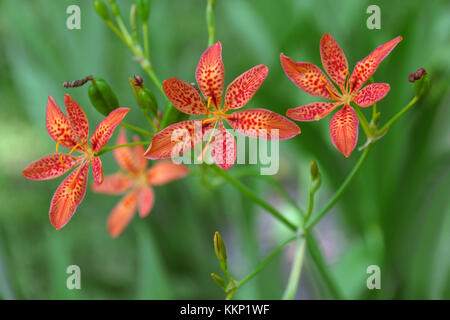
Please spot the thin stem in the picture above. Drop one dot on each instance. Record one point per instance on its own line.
(341, 189)
(310, 204)
(294, 277)
(363, 121)
(261, 266)
(210, 21)
(253, 196)
(106, 149)
(398, 115)
(137, 129)
(322, 267)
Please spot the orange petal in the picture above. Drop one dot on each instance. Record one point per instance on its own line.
(177, 139)
(68, 196)
(116, 183)
(258, 122)
(58, 126)
(165, 171)
(125, 156)
(50, 166)
(312, 111)
(184, 97)
(371, 94)
(97, 170)
(122, 214)
(367, 66)
(145, 201)
(210, 74)
(334, 60)
(139, 151)
(344, 130)
(77, 118)
(223, 148)
(242, 89)
(308, 77)
(106, 128)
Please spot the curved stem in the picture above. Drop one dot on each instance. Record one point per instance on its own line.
(106, 149)
(294, 277)
(340, 191)
(399, 114)
(253, 196)
(210, 21)
(137, 129)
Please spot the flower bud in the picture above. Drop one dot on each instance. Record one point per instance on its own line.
(102, 97)
(422, 82)
(219, 281)
(148, 101)
(315, 176)
(143, 9)
(101, 9)
(219, 248)
(133, 17)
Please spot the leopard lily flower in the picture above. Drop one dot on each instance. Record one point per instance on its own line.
(308, 77)
(72, 132)
(210, 75)
(135, 179)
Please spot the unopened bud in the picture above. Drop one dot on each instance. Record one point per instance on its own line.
(133, 17)
(315, 175)
(143, 9)
(219, 281)
(101, 9)
(102, 96)
(219, 248)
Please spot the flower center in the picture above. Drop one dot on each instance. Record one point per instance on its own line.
(84, 148)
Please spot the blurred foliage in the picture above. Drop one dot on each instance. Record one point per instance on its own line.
(396, 214)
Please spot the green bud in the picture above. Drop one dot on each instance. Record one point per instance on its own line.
(148, 101)
(102, 97)
(315, 176)
(143, 9)
(101, 9)
(133, 17)
(219, 281)
(219, 248)
(421, 85)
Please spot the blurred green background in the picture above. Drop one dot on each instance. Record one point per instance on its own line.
(396, 213)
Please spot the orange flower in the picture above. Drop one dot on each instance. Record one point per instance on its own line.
(137, 180)
(309, 78)
(72, 132)
(210, 75)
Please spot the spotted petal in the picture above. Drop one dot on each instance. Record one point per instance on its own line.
(261, 123)
(223, 148)
(367, 66)
(97, 170)
(138, 152)
(184, 97)
(210, 74)
(242, 89)
(106, 128)
(68, 196)
(178, 138)
(77, 118)
(312, 111)
(116, 183)
(371, 94)
(308, 77)
(51, 166)
(164, 172)
(334, 60)
(58, 126)
(146, 198)
(122, 214)
(125, 156)
(344, 130)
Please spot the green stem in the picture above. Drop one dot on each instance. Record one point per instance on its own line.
(253, 196)
(310, 205)
(322, 267)
(261, 266)
(294, 277)
(210, 21)
(106, 149)
(398, 115)
(145, 36)
(341, 189)
(363, 121)
(137, 129)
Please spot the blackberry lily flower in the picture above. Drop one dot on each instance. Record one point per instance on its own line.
(210, 75)
(72, 132)
(308, 77)
(135, 178)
